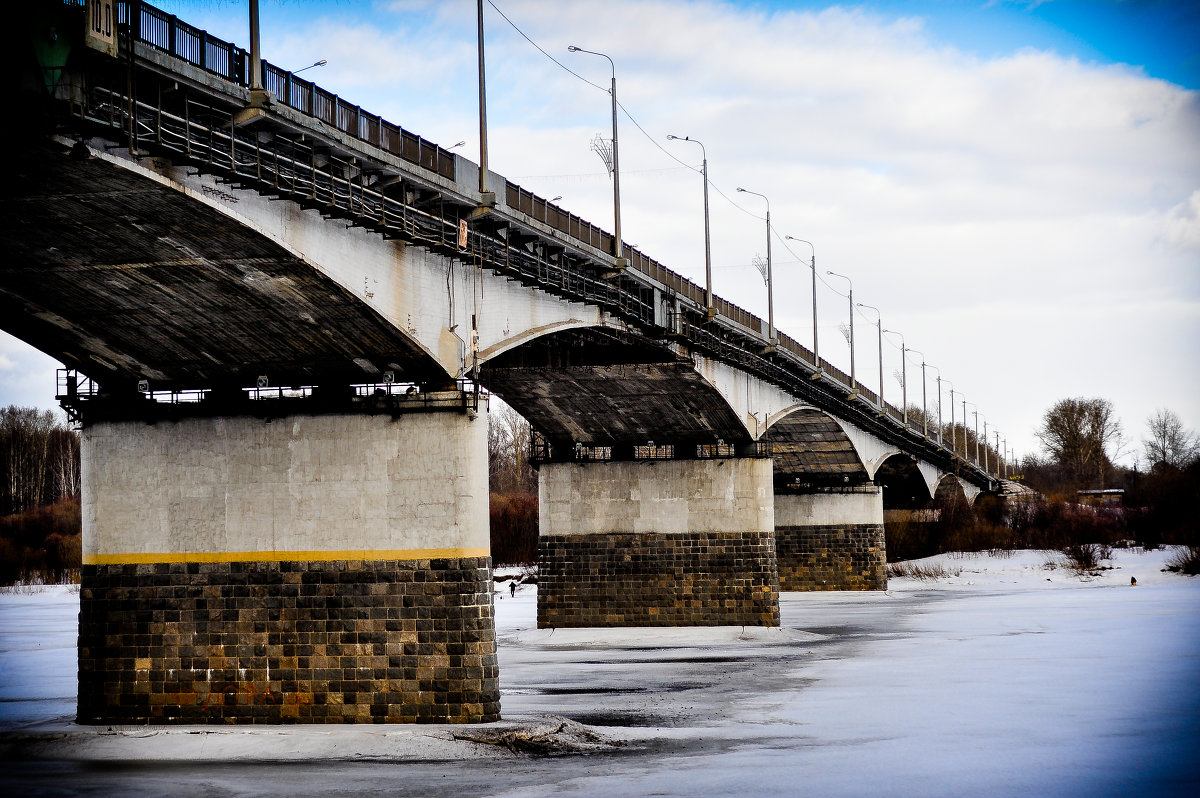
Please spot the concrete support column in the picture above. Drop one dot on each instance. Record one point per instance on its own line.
(305, 569)
(831, 539)
(657, 543)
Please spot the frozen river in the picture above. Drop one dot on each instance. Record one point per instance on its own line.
(1005, 678)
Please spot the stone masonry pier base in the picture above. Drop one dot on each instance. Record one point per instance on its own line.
(305, 569)
(831, 539)
(657, 543)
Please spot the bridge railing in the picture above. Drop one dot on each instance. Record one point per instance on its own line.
(172, 35)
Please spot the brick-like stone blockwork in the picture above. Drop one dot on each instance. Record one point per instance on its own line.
(288, 642)
(627, 579)
(831, 557)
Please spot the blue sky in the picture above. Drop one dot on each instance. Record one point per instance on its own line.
(1162, 37)
(1015, 185)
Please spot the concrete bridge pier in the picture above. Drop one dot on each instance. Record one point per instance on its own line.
(328, 568)
(831, 538)
(657, 543)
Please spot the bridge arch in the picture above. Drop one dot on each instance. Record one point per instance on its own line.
(511, 340)
(812, 448)
(949, 489)
(905, 483)
(165, 281)
(607, 386)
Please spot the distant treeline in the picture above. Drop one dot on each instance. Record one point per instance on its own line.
(1082, 438)
(39, 497)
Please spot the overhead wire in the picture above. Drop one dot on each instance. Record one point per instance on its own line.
(628, 115)
(543, 52)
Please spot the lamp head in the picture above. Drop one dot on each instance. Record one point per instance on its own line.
(741, 189)
(672, 138)
(322, 62)
(572, 49)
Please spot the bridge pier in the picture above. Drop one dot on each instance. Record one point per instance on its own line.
(831, 539)
(657, 543)
(299, 569)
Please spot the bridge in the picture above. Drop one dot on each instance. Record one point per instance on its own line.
(283, 317)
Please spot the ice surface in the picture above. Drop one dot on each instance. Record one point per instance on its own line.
(1007, 677)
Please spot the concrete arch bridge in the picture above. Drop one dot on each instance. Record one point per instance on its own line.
(279, 312)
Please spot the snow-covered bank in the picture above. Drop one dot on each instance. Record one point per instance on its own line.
(1004, 678)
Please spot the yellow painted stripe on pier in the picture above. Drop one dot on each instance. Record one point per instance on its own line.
(141, 558)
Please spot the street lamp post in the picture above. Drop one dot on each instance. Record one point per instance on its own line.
(985, 449)
(965, 450)
(903, 373)
(770, 284)
(487, 198)
(850, 295)
(255, 50)
(879, 324)
(622, 262)
(953, 433)
(924, 408)
(975, 413)
(813, 266)
(710, 310)
(939, 391)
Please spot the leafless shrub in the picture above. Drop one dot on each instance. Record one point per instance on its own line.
(1185, 560)
(1085, 558)
(923, 573)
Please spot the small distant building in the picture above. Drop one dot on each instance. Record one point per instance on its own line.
(1111, 497)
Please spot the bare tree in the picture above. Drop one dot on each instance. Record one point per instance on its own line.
(1083, 436)
(1168, 442)
(508, 451)
(39, 459)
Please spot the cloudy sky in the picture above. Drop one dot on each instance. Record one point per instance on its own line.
(1015, 185)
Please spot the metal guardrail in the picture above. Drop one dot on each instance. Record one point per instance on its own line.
(77, 391)
(542, 450)
(297, 174)
(175, 37)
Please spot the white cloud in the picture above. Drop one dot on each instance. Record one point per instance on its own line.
(1182, 223)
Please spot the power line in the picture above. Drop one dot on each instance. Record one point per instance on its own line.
(628, 115)
(543, 52)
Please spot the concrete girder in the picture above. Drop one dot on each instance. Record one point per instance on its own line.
(125, 274)
(933, 475)
(809, 446)
(517, 339)
(602, 386)
(905, 483)
(438, 301)
(948, 487)
(872, 451)
(756, 403)
(809, 441)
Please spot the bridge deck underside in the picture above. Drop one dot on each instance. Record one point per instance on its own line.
(125, 278)
(810, 447)
(903, 486)
(611, 404)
